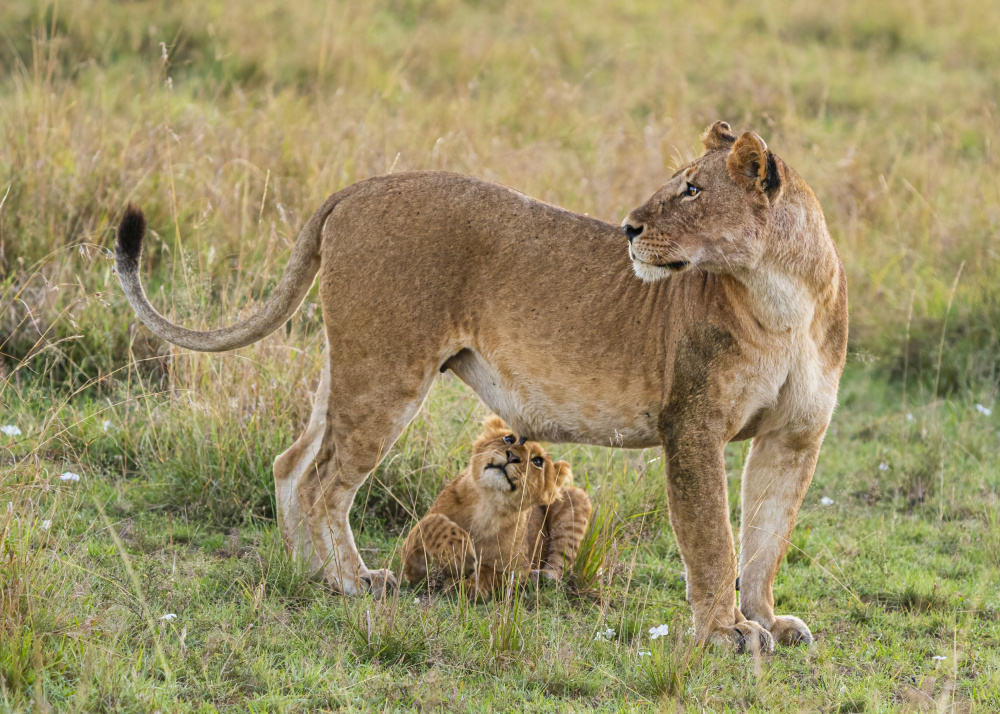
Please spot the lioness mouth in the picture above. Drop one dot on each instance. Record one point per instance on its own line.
(675, 265)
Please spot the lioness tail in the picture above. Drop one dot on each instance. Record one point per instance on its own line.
(303, 264)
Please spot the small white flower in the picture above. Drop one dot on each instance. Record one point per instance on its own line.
(909, 417)
(10, 430)
(416, 601)
(608, 634)
(939, 658)
(46, 524)
(659, 631)
(645, 654)
(883, 466)
(826, 501)
(169, 617)
(69, 476)
(107, 424)
(985, 411)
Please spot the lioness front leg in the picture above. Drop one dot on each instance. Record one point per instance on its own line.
(775, 480)
(699, 514)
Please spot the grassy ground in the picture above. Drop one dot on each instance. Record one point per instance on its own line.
(230, 124)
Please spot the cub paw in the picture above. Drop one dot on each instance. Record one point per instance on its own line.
(476, 590)
(540, 577)
(379, 582)
(788, 630)
(746, 636)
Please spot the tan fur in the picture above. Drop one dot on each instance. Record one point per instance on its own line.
(480, 528)
(554, 532)
(736, 330)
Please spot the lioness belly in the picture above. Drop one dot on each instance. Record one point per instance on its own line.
(542, 408)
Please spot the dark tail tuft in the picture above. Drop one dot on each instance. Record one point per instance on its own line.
(128, 248)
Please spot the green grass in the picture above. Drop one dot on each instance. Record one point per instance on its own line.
(261, 110)
(888, 576)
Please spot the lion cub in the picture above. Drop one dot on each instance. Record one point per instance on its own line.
(511, 512)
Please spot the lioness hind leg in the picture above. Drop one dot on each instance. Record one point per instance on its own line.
(777, 475)
(437, 542)
(289, 469)
(361, 426)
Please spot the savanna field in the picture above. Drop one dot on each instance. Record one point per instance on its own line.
(141, 568)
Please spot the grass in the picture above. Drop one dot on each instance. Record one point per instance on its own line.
(231, 122)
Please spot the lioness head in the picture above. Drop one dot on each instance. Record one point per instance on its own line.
(514, 470)
(713, 213)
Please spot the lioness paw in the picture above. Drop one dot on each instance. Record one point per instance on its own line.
(751, 637)
(379, 582)
(789, 630)
(746, 636)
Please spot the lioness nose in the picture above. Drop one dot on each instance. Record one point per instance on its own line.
(511, 459)
(632, 231)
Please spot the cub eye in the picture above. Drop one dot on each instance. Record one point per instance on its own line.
(538, 461)
(510, 439)
(692, 190)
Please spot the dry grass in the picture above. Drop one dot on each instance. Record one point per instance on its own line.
(230, 123)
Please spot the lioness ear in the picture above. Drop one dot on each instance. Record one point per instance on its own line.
(718, 136)
(492, 424)
(752, 166)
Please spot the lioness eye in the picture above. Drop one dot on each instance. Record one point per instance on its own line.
(510, 439)
(538, 461)
(692, 190)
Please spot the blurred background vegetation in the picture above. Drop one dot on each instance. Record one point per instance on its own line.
(888, 110)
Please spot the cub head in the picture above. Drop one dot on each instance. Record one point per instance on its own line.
(516, 472)
(713, 213)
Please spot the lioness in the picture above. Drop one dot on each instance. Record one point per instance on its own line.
(512, 509)
(736, 329)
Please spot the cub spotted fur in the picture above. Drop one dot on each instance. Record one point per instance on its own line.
(509, 512)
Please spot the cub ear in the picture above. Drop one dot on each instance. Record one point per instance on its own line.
(718, 136)
(493, 424)
(564, 475)
(752, 166)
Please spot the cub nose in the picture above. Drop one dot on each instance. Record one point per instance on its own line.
(511, 459)
(632, 231)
